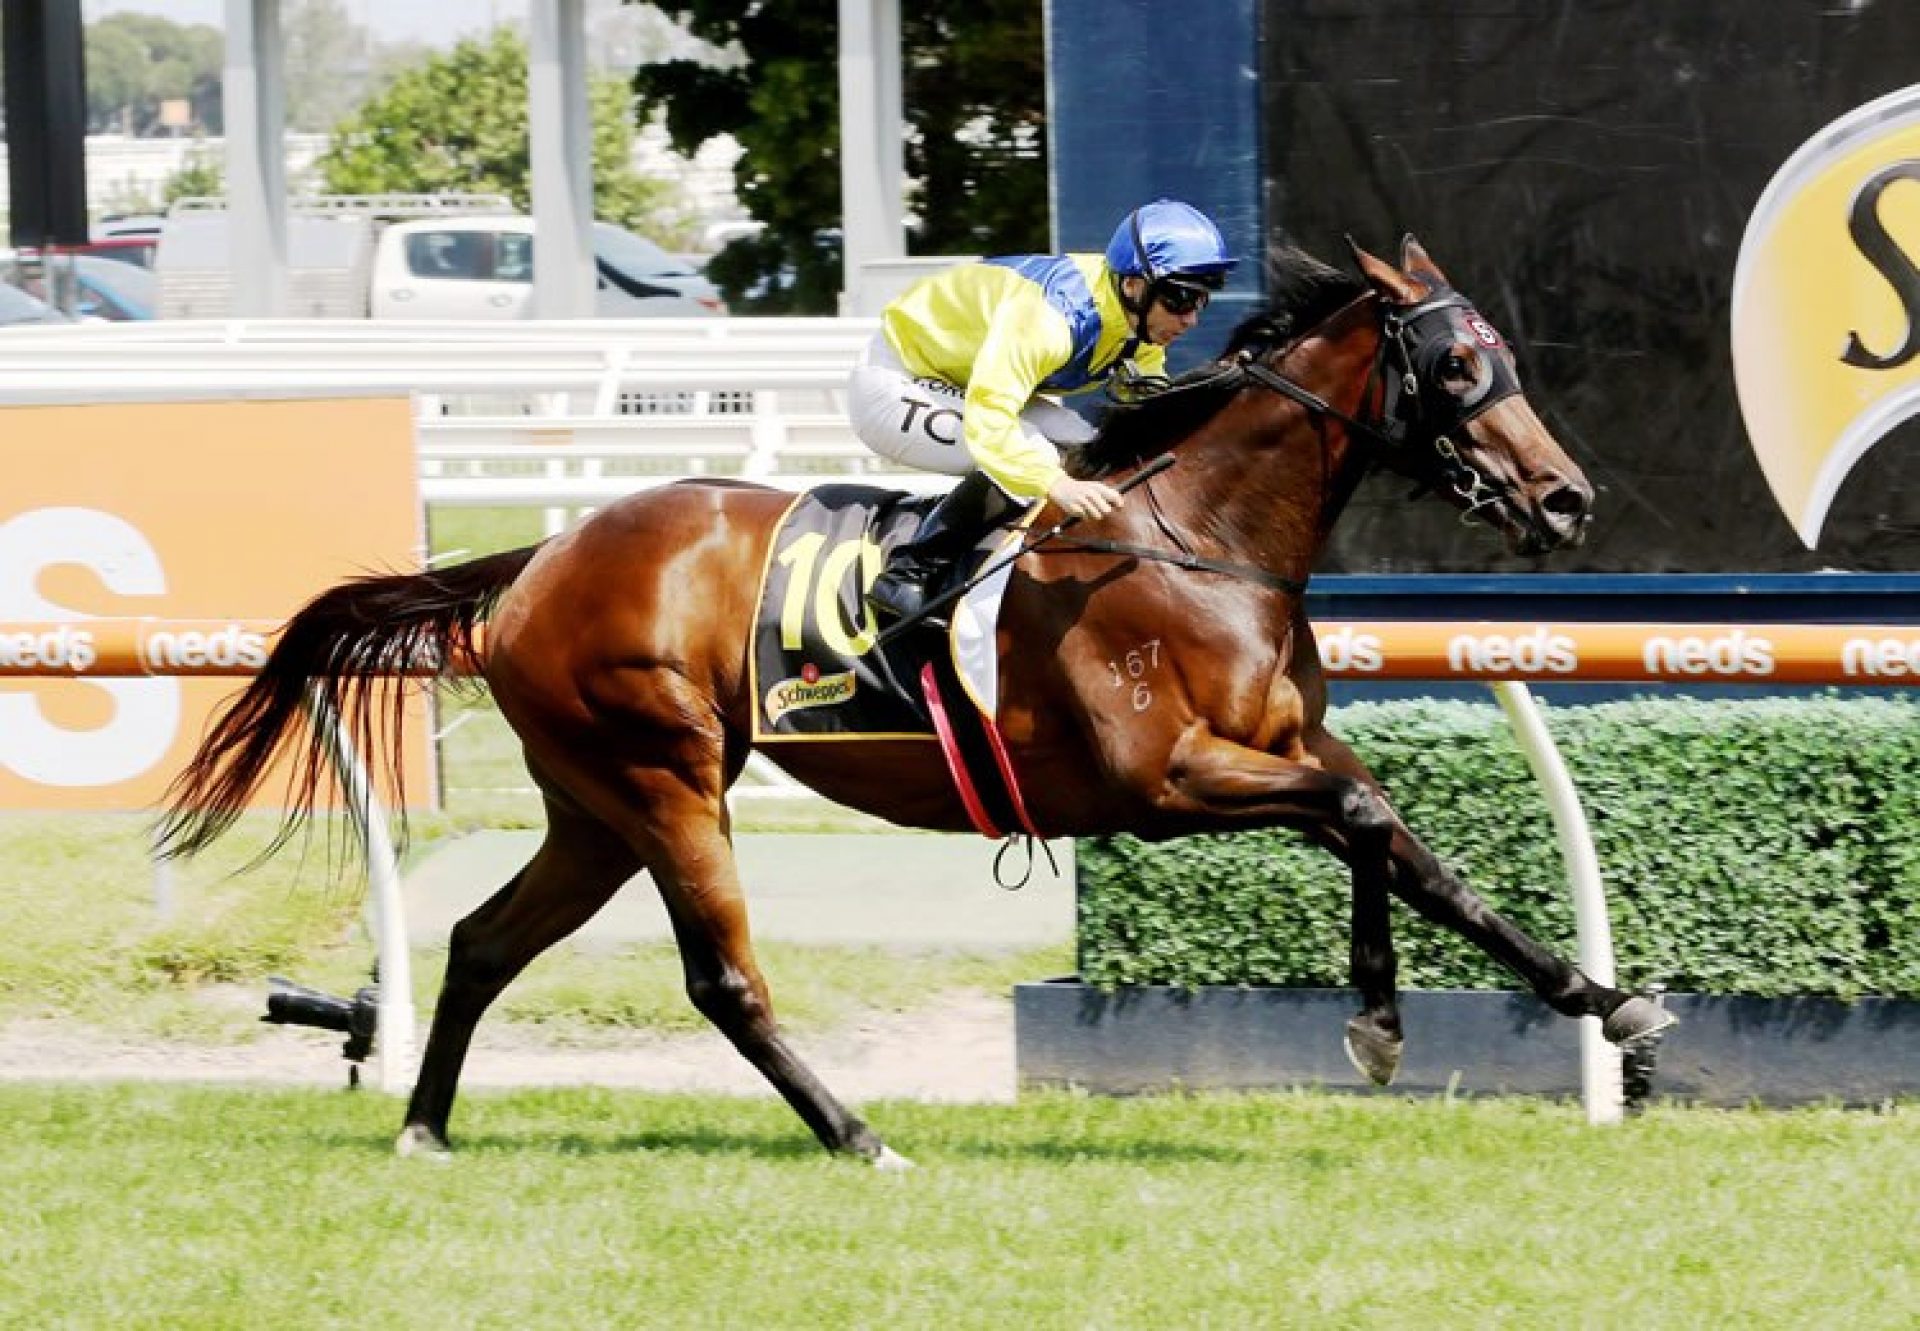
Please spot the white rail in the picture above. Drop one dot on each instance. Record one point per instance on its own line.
(1602, 1073)
(556, 413)
(784, 333)
(596, 367)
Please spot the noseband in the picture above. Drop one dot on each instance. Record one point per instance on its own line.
(1418, 413)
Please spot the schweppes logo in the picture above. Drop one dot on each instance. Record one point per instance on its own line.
(811, 689)
(1826, 305)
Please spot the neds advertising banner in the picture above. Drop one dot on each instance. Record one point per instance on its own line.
(232, 514)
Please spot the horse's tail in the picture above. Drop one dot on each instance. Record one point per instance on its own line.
(343, 650)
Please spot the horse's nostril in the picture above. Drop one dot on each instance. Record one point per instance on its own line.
(1566, 501)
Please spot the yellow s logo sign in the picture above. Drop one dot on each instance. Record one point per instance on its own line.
(1826, 305)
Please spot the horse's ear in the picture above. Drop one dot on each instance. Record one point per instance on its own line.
(1392, 285)
(1416, 261)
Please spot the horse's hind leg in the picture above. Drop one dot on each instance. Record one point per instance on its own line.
(693, 865)
(579, 865)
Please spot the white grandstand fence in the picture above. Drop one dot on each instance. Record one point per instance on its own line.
(783, 332)
(562, 415)
(580, 368)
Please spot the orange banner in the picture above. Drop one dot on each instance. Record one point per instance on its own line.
(1868, 654)
(1863, 654)
(178, 512)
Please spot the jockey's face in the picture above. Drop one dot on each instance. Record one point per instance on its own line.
(1159, 325)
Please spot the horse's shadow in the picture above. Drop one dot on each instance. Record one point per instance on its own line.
(719, 1143)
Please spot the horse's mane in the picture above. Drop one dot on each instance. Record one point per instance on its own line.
(1303, 292)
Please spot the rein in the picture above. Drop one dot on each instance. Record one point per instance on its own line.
(1191, 562)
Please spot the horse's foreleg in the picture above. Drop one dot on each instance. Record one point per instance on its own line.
(578, 867)
(1339, 807)
(1425, 884)
(1420, 880)
(1375, 1039)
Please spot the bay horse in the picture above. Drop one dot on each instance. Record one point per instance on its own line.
(618, 651)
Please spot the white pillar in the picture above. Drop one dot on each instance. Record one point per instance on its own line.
(560, 132)
(872, 162)
(394, 1025)
(1601, 1078)
(253, 102)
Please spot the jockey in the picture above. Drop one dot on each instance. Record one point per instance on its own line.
(959, 379)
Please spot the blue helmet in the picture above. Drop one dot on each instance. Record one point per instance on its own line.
(1165, 239)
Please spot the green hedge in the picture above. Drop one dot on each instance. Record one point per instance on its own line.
(1767, 846)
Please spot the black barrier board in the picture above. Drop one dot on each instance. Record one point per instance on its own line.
(1588, 172)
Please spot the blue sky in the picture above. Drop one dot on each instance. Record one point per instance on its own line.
(436, 22)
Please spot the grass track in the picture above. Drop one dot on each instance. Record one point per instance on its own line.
(148, 1207)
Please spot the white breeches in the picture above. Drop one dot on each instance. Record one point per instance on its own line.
(916, 422)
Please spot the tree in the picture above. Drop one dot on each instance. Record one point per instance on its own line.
(116, 77)
(201, 175)
(975, 81)
(458, 123)
(975, 100)
(328, 65)
(137, 61)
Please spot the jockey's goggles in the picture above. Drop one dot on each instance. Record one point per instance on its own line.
(1181, 293)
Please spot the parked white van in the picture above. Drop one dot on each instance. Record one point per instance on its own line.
(415, 257)
(482, 268)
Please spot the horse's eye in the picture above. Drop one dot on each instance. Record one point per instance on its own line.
(1455, 372)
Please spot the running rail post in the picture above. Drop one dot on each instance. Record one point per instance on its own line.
(394, 1034)
(1600, 1077)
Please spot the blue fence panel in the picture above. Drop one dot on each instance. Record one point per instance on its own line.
(1159, 100)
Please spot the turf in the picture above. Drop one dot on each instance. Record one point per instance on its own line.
(147, 1206)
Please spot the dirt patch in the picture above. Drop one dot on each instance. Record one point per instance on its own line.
(959, 1050)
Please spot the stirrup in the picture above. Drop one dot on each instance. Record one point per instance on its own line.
(897, 598)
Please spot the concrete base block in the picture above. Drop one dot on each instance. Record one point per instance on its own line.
(1725, 1051)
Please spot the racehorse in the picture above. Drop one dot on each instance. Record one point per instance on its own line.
(618, 652)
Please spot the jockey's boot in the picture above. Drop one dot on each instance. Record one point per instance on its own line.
(971, 509)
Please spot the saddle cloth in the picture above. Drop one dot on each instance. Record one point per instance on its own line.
(819, 674)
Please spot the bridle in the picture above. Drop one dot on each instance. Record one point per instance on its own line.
(1419, 414)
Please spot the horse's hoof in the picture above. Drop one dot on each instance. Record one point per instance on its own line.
(419, 1142)
(890, 1161)
(1373, 1052)
(1636, 1019)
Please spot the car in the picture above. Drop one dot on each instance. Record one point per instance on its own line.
(115, 290)
(647, 273)
(126, 239)
(132, 251)
(481, 267)
(102, 288)
(18, 309)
